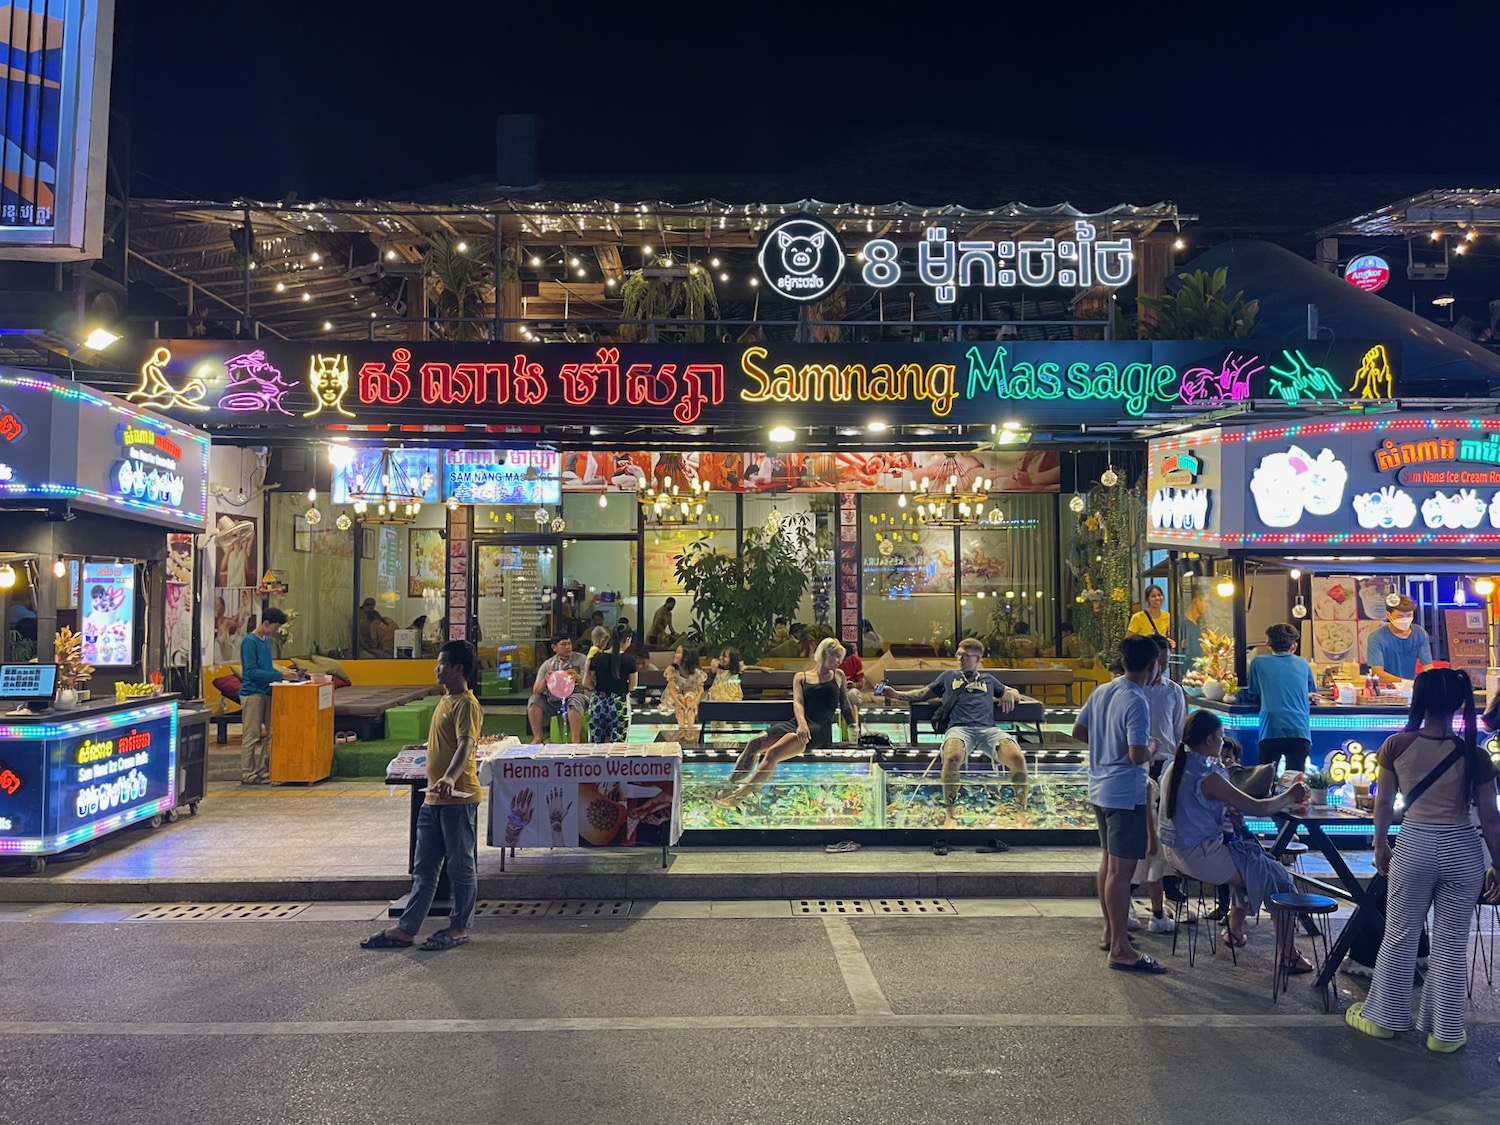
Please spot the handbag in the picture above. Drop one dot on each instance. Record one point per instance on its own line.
(944, 714)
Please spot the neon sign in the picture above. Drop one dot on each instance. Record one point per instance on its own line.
(1299, 376)
(328, 377)
(801, 258)
(1184, 509)
(157, 390)
(253, 385)
(1231, 383)
(10, 781)
(946, 266)
(827, 382)
(1375, 379)
(11, 426)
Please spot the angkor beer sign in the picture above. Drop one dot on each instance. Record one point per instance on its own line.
(801, 258)
(287, 383)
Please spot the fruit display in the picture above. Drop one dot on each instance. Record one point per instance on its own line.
(135, 691)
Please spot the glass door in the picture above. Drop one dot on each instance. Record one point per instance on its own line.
(517, 608)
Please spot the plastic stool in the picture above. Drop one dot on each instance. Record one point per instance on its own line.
(405, 723)
(558, 731)
(1286, 910)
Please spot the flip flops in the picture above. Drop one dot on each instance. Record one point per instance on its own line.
(940, 847)
(443, 940)
(842, 846)
(383, 940)
(993, 846)
(1142, 964)
(344, 736)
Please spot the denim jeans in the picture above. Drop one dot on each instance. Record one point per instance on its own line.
(444, 832)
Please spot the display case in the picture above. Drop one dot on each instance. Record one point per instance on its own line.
(1053, 798)
(818, 794)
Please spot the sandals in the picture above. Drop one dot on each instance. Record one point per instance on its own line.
(1142, 964)
(842, 846)
(1234, 942)
(442, 940)
(1296, 968)
(383, 940)
(993, 846)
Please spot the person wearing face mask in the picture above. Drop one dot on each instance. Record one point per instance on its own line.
(1399, 649)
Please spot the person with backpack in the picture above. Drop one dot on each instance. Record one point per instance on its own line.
(1437, 863)
(968, 705)
(610, 678)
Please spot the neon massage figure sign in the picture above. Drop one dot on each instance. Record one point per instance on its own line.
(398, 384)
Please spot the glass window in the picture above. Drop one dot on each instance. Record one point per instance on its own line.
(663, 547)
(317, 563)
(583, 514)
(1006, 578)
(816, 606)
(907, 574)
(598, 579)
(404, 568)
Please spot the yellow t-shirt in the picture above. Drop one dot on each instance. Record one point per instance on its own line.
(456, 716)
(1140, 624)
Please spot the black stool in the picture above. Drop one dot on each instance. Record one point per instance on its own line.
(1287, 910)
(1292, 856)
(1480, 957)
(1184, 917)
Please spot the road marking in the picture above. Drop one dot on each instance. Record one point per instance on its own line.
(869, 998)
(613, 1023)
(1483, 1106)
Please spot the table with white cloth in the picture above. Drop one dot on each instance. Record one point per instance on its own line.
(570, 795)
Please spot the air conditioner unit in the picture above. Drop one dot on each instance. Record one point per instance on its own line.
(1427, 268)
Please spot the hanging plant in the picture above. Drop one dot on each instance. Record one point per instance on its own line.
(676, 298)
(1107, 543)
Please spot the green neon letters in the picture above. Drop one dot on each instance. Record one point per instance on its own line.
(1137, 385)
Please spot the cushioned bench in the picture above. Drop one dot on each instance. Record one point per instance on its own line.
(362, 709)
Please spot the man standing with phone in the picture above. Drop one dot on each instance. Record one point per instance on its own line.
(258, 672)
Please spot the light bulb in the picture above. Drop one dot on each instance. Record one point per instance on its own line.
(7, 576)
(59, 568)
(535, 261)
(307, 296)
(1484, 587)
(1109, 478)
(1225, 588)
(603, 500)
(1296, 574)
(462, 247)
(312, 495)
(1077, 504)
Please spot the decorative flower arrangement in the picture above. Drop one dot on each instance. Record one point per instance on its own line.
(67, 650)
(1217, 661)
(1231, 684)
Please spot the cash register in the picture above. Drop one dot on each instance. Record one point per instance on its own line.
(27, 688)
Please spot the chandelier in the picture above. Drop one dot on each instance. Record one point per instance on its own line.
(669, 506)
(950, 505)
(385, 493)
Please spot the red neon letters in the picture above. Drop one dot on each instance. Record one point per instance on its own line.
(525, 383)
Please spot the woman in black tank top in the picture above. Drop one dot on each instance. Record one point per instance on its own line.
(819, 696)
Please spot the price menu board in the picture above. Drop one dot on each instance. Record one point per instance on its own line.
(1468, 641)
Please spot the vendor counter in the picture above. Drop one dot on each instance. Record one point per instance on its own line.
(68, 777)
(1368, 724)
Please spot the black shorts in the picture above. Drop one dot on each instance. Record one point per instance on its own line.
(821, 733)
(1295, 750)
(1122, 832)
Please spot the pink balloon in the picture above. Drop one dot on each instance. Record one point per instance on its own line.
(560, 684)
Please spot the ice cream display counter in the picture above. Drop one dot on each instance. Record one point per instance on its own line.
(1333, 728)
(68, 777)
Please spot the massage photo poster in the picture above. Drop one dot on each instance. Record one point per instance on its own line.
(585, 803)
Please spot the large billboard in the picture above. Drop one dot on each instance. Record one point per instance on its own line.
(54, 116)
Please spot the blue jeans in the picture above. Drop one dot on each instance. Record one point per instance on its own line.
(444, 832)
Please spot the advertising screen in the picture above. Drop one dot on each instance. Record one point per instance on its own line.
(499, 476)
(108, 605)
(418, 466)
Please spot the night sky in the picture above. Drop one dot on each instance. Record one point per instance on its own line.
(350, 99)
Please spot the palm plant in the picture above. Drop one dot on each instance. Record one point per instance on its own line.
(1199, 310)
(459, 282)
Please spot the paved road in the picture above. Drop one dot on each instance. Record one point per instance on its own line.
(684, 1012)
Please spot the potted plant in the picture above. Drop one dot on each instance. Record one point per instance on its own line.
(1216, 663)
(1231, 685)
(67, 650)
(1317, 786)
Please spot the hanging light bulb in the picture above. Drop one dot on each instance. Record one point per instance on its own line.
(1109, 478)
(59, 568)
(1484, 587)
(1077, 504)
(343, 523)
(312, 495)
(603, 500)
(1225, 588)
(453, 503)
(7, 576)
(313, 517)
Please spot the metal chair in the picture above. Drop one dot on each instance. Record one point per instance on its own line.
(1287, 910)
(1482, 956)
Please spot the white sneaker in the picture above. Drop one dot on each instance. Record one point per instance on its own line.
(1162, 925)
(1354, 968)
(1133, 923)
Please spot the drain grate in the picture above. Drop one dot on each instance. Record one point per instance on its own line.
(487, 909)
(252, 911)
(911, 906)
(830, 906)
(591, 908)
(177, 912)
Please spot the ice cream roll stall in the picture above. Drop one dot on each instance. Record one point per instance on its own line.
(1373, 535)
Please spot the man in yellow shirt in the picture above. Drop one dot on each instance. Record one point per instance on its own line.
(448, 824)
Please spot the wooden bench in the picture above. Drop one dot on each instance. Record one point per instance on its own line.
(1027, 712)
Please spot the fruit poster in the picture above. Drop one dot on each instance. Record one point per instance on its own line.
(596, 799)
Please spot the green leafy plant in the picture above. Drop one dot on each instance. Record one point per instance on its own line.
(1199, 310)
(1107, 541)
(677, 298)
(738, 597)
(458, 282)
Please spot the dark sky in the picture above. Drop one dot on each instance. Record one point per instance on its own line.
(343, 99)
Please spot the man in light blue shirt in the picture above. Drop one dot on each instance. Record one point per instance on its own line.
(1399, 649)
(1116, 723)
(1284, 684)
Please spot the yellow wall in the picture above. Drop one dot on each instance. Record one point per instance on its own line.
(362, 673)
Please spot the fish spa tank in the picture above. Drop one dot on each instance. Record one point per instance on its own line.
(895, 789)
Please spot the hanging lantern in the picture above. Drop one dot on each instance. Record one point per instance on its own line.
(343, 523)
(1077, 505)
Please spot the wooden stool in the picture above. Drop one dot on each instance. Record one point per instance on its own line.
(1286, 910)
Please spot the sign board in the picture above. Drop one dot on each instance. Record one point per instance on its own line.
(108, 601)
(473, 386)
(498, 476)
(63, 442)
(65, 783)
(1368, 272)
(53, 130)
(1395, 481)
(364, 472)
(1468, 641)
(584, 797)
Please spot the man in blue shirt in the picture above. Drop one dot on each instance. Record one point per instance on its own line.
(971, 725)
(257, 674)
(1399, 649)
(1284, 684)
(1116, 723)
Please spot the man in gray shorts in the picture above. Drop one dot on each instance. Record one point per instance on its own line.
(543, 704)
(1116, 723)
(971, 726)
